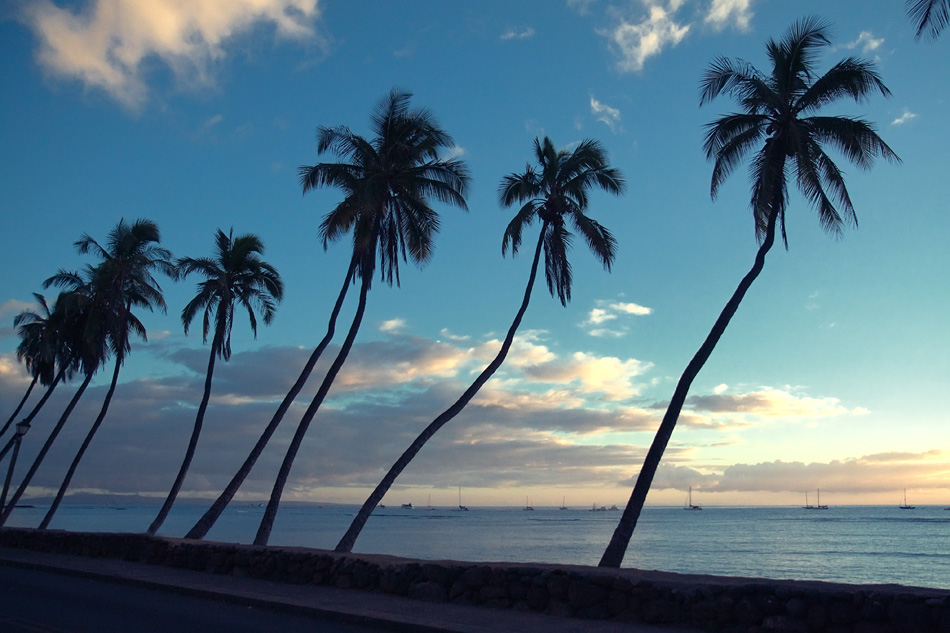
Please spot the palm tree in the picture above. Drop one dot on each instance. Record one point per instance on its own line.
(77, 349)
(932, 15)
(121, 281)
(779, 108)
(36, 350)
(236, 275)
(387, 182)
(555, 193)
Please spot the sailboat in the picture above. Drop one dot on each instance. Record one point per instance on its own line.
(808, 506)
(429, 503)
(527, 504)
(689, 501)
(564, 507)
(903, 505)
(461, 507)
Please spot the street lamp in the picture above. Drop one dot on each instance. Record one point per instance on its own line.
(17, 438)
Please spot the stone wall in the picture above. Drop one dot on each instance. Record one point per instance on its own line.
(708, 603)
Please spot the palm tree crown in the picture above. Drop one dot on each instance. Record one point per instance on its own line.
(235, 275)
(39, 347)
(556, 190)
(929, 15)
(386, 183)
(780, 108)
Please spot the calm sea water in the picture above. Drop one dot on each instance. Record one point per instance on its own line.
(855, 544)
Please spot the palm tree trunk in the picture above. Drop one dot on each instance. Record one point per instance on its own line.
(207, 521)
(617, 547)
(193, 442)
(46, 446)
(270, 513)
(349, 539)
(85, 444)
(39, 405)
(23, 400)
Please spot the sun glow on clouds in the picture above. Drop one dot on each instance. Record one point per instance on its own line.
(107, 44)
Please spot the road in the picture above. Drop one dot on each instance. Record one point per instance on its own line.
(33, 601)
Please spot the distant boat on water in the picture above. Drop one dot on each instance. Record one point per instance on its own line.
(689, 501)
(594, 508)
(406, 506)
(527, 505)
(429, 503)
(808, 506)
(461, 507)
(903, 505)
(564, 507)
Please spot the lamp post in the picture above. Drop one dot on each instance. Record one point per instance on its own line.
(17, 438)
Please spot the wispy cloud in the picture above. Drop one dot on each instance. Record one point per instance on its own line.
(635, 42)
(866, 42)
(605, 311)
(725, 13)
(605, 114)
(106, 44)
(514, 34)
(905, 117)
(581, 6)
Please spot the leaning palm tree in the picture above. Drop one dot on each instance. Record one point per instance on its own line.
(78, 349)
(122, 280)
(391, 176)
(36, 350)
(929, 15)
(780, 109)
(556, 193)
(236, 275)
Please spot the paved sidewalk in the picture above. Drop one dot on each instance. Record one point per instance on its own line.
(345, 605)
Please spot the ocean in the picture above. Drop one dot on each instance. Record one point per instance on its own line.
(852, 544)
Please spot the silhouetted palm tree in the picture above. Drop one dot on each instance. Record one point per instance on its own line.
(78, 349)
(36, 350)
(929, 15)
(121, 281)
(387, 182)
(556, 194)
(780, 109)
(235, 276)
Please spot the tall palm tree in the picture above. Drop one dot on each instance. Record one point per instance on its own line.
(780, 109)
(929, 15)
(78, 348)
(556, 193)
(122, 280)
(387, 182)
(236, 275)
(36, 350)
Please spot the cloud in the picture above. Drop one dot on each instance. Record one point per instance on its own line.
(606, 311)
(455, 151)
(581, 6)
(392, 325)
(767, 402)
(736, 13)
(637, 42)
(15, 306)
(605, 114)
(608, 375)
(866, 42)
(904, 118)
(109, 44)
(512, 34)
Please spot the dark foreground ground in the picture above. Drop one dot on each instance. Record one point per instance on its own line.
(58, 593)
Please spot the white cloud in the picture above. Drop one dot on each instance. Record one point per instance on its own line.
(612, 377)
(456, 151)
(392, 325)
(720, 389)
(512, 34)
(906, 116)
(581, 6)
(211, 122)
(109, 43)
(866, 42)
(638, 42)
(15, 306)
(723, 13)
(605, 311)
(605, 114)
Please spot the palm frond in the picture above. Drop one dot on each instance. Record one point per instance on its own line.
(929, 15)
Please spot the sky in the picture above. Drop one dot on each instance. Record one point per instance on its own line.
(197, 115)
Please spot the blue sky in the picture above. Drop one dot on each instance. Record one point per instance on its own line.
(197, 115)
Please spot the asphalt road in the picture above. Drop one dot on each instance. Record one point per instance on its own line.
(34, 601)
